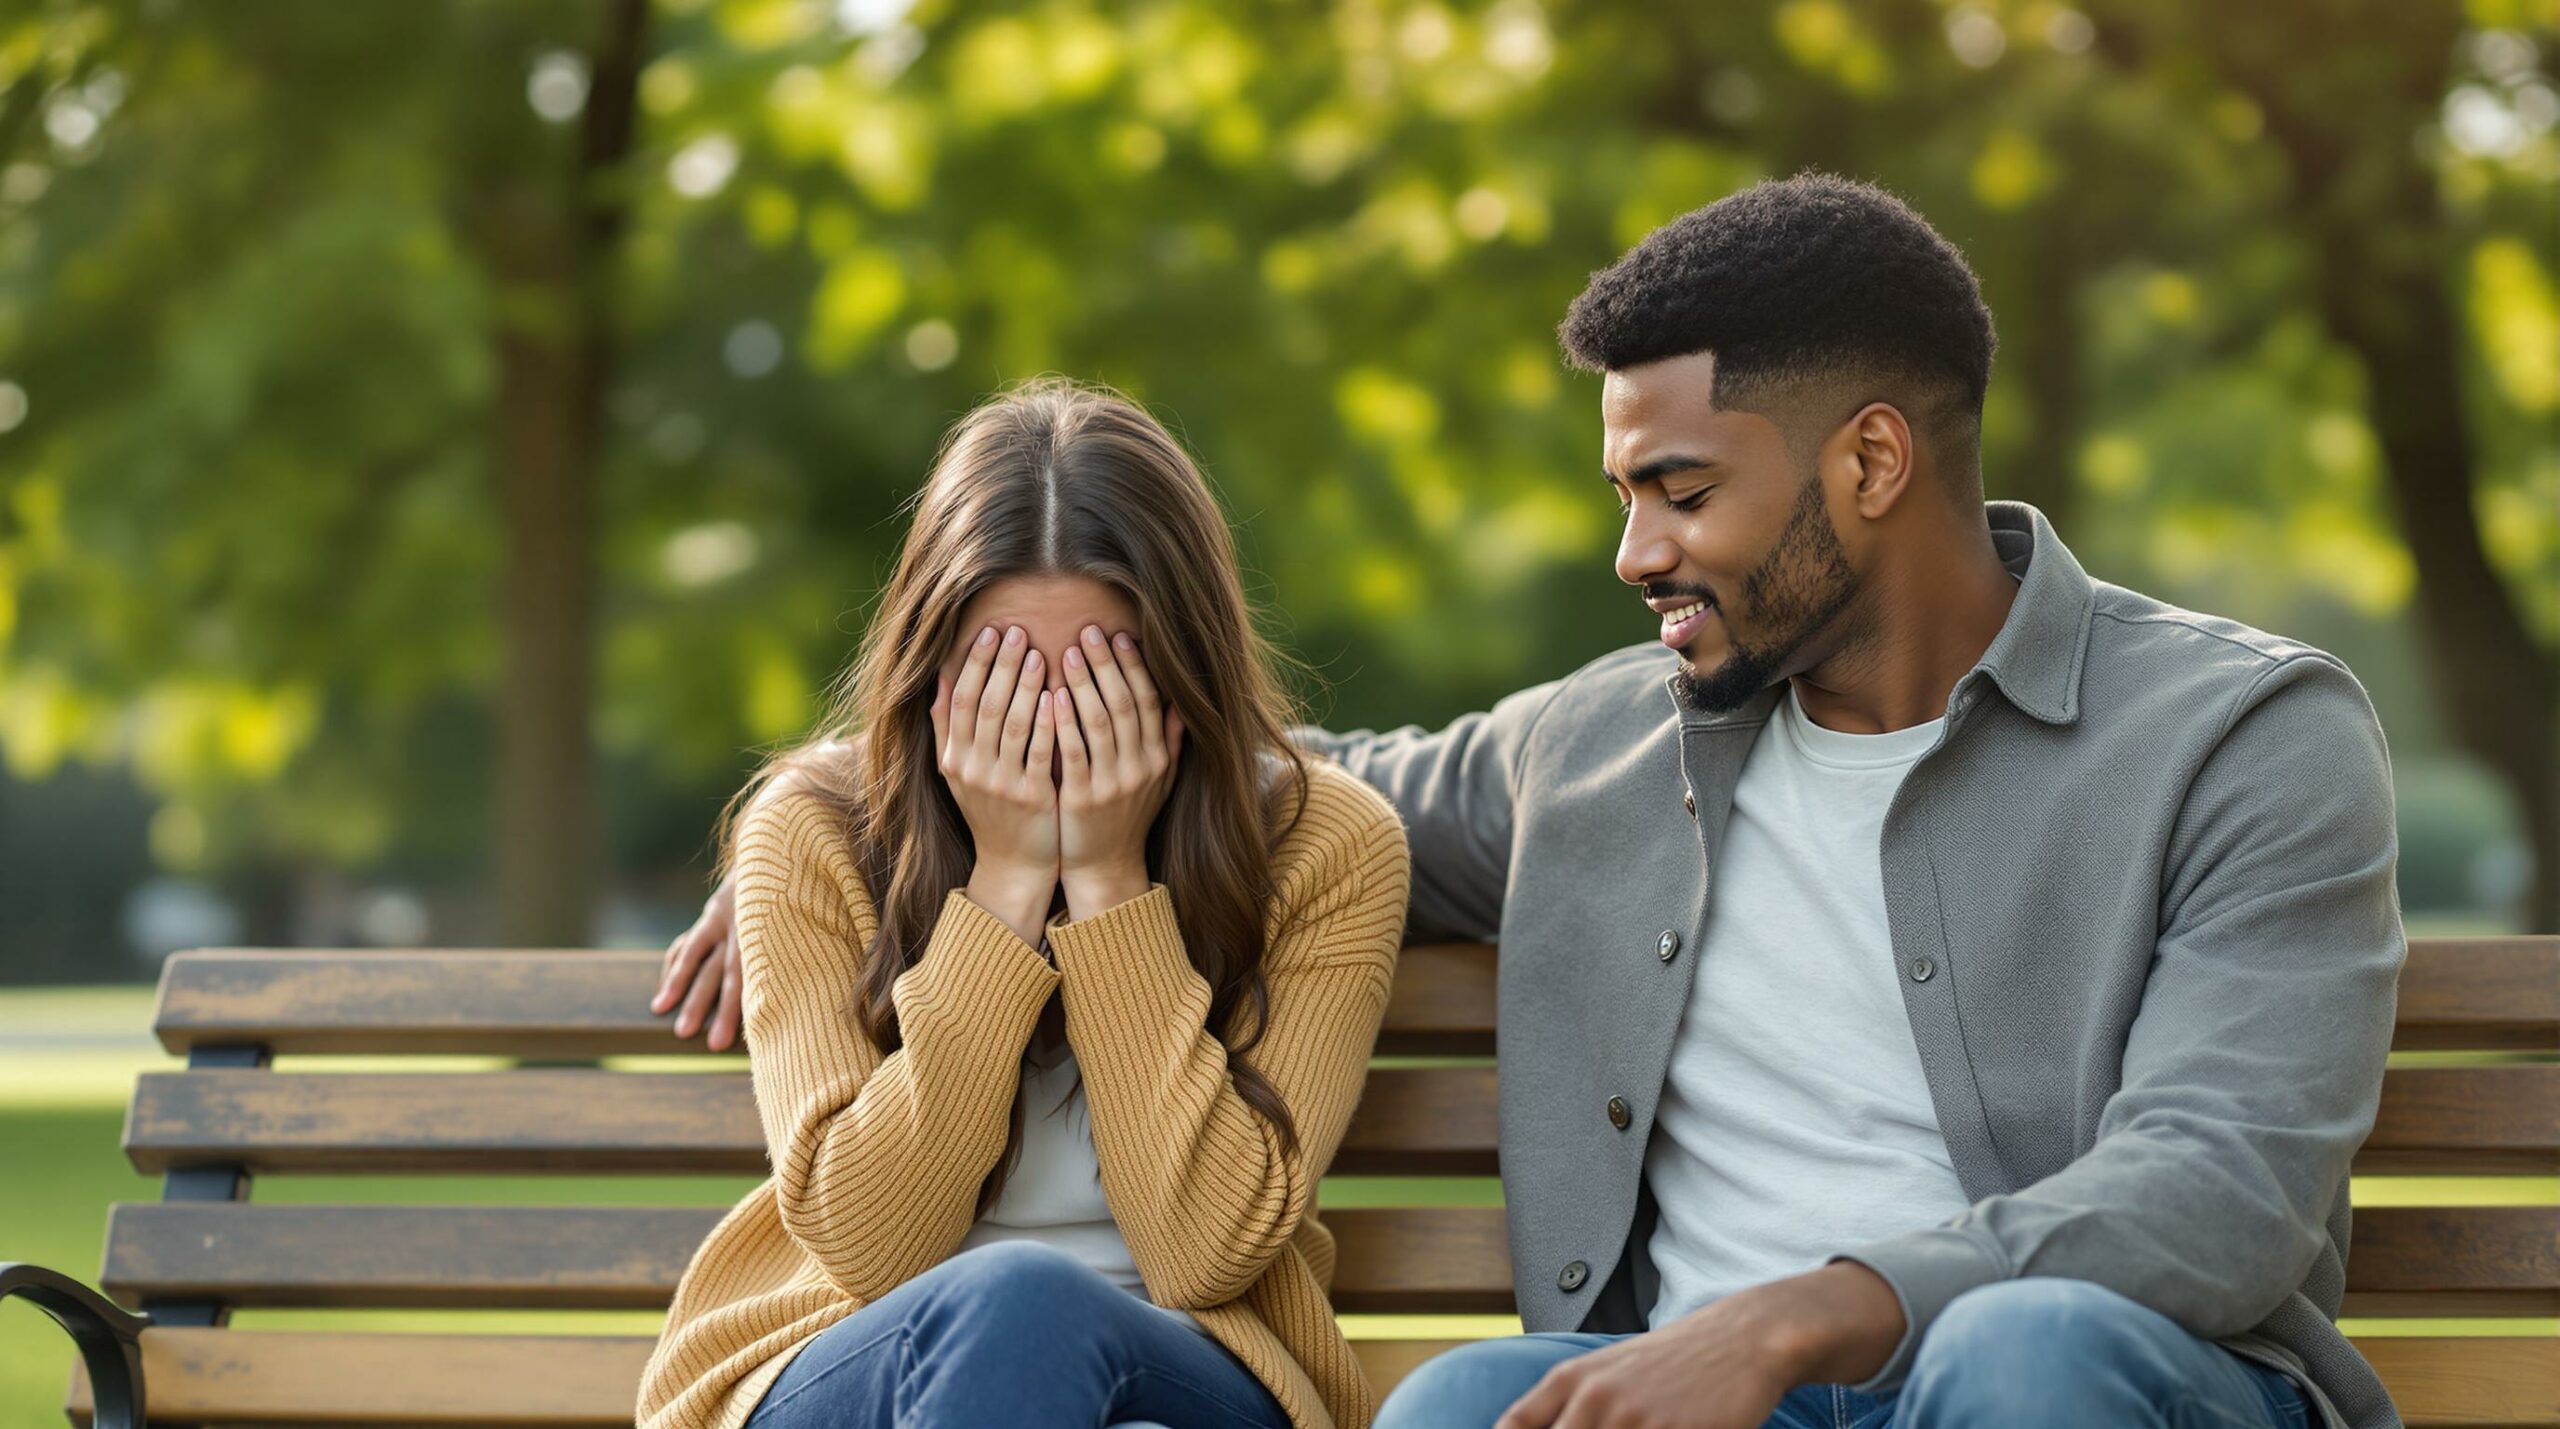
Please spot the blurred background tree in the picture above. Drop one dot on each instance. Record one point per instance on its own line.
(436, 441)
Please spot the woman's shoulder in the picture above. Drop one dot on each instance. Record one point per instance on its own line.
(788, 816)
(1345, 826)
(789, 834)
(806, 802)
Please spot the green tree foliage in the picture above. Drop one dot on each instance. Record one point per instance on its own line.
(322, 325)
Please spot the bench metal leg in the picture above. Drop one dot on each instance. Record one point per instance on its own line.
(109, 1338)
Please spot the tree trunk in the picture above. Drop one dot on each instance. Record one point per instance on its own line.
(2366, 209)
(2498, 689)
(2053, 372)
(551, 247)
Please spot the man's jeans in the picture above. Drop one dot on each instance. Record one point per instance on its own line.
(2038, 1351)
(1010, 1334)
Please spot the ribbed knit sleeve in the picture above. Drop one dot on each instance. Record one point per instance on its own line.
(877, 1160)
(1203, 1192)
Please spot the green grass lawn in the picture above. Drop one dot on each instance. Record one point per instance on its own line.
(67, 1063)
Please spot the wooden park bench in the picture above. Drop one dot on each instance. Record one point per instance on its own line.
(208, 1248)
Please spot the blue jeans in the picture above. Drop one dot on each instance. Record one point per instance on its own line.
(1011, 1334)
(2039, 1351)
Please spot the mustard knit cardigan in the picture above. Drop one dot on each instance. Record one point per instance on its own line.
(877, 1160)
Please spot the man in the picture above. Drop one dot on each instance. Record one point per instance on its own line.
(1937, 988)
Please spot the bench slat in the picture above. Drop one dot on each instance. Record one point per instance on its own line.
(2475, 1260)
(2464, 1121)
(427, 1257)
(587, 1382)
(2456, 993)
(491, 1123)
(278, 1377)
(2487, 1381)
(625, 1257)
(562, 1004)
(520, 1003)
(2480, 993)
(1442, 1001)
(1411, 1121)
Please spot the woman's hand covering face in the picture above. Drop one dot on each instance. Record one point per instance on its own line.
(1118, 748)
(993, 731)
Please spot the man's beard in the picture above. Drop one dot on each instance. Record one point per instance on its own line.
(1795, 591)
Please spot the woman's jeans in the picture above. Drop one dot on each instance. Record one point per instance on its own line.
(1010, 1334)
(2038, 1351)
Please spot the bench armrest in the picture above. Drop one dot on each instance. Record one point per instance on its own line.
(109, 1337)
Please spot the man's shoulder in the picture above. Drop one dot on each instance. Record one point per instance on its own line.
(1629, 679)
(2148, 655)
(2136, 625)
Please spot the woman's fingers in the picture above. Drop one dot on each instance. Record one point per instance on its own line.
(1142, 693)
(1044, 737)
(1017, 718)
(1071, 748)
(1125, 734)
(1091, 713)
(998, 695)
(965, 690)
(941, 712)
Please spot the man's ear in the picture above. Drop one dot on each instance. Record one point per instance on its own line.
(1877, 440)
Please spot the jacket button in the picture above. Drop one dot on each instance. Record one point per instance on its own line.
(1575, 1272)
(1689, 802)
(1921, 968)
(1667, 946)
(1619, 1116)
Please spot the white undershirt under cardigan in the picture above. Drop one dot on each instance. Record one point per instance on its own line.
(1795, 1116)
(1054, 1193)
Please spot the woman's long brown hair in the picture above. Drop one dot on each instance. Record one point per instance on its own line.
(1055, 477)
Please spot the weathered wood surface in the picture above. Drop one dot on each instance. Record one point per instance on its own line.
(2480, 993)
(2473, 1260)
(1411, 1121)
(574, 1004)
(298, 1378)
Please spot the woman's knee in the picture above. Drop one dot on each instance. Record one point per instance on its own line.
(1023, 1277)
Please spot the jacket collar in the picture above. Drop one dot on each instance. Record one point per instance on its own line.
(2036, 658)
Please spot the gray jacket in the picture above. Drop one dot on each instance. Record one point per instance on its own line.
(2141, 890)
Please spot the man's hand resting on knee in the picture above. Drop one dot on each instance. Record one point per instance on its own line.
(700, 979)
(1727, 1364)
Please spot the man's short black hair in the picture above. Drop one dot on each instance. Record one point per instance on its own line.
(1811, 285)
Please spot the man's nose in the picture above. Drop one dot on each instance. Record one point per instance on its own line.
(1646, 552)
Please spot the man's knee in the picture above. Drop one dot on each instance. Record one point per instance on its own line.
(2038, 1315)
(1470, 1386)
(2022, 1350)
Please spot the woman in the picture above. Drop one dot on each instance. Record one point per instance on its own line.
(1062, 970)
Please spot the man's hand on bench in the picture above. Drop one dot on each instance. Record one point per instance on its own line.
(701, 976)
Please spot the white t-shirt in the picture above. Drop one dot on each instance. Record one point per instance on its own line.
(1795, 1118)
(1054, 1194)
